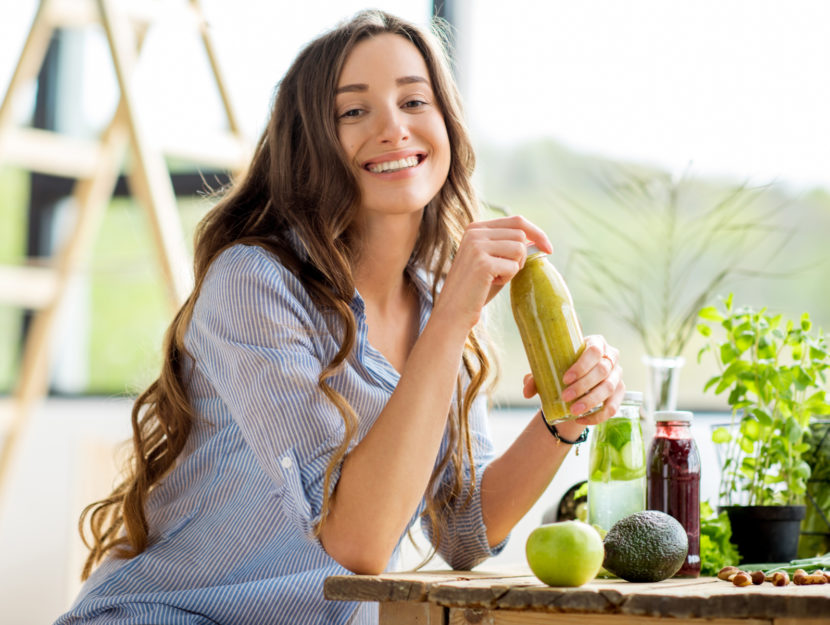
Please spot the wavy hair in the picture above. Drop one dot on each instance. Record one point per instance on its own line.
(301, 181)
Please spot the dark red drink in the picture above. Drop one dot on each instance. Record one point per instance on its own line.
(674, 480)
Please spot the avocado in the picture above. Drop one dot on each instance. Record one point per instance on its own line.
(647, 546)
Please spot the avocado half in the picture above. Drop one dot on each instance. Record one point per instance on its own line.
(647, 546)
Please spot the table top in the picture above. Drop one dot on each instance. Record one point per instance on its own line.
(704, 597)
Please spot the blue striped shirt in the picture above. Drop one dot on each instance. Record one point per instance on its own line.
(231, 537)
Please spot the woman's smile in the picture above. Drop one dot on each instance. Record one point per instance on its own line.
(395, 163)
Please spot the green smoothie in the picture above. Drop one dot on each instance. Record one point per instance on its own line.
(550, 330)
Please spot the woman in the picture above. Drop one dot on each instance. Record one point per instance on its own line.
(320, 391)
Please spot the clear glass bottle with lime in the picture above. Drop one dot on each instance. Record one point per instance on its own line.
(617, 478)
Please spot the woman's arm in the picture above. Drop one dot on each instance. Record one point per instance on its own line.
(384, 477)
(513, 482)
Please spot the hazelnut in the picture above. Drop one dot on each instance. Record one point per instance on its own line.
(758, 577)
(742, 579)
(726, 571)
(800, 578)
(780, 578)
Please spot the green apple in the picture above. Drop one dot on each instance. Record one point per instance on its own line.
(569, 553)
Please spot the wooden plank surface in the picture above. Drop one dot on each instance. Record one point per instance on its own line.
(469, 616)
(410, 613)
(707, 598)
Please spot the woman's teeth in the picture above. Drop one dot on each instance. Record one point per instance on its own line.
(403, 163)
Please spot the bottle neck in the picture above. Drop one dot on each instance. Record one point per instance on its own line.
(673, 429)
(535, 256)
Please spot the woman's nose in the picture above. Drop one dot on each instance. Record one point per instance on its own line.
(392, 126)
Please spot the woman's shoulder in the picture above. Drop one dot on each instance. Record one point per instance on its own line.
(247, 272)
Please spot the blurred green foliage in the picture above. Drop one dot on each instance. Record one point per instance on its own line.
(129, 307)
(130, 312)
(547, 182)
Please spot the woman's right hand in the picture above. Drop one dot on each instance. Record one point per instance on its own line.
(490, 254)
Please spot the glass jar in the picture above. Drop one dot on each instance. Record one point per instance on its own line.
(617, 477)
(674, 479)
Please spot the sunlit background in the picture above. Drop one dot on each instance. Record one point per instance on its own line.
(558, 95)
(564, 99)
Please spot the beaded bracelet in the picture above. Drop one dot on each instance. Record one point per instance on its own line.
(552, 428)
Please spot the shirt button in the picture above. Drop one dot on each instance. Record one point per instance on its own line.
(286, 462)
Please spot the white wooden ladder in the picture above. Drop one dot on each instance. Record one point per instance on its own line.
(41, 284)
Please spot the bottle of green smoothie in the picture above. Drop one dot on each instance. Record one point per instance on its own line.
(552, 337)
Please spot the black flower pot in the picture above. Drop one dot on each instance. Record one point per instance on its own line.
(765, 533)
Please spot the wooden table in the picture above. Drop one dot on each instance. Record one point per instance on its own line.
(465, 597)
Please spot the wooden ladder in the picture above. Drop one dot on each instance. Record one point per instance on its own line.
(95, 165)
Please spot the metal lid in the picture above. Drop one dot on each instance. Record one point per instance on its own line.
(533, 249)
(632, 397)
(674, 415)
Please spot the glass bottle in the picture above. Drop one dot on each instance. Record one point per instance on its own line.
(617, 465)
(674, 479)
(550, 331)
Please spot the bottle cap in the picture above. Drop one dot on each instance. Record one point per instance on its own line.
(673, 415)
(533, 249)
(632, 397)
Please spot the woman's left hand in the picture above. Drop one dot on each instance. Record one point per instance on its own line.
(594, 379)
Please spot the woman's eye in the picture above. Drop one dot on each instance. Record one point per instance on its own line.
(351, 113)
(412, 104)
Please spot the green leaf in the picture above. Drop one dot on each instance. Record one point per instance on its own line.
(802, 379)
(736, 395)
(721, 435)
(710, 313)
(802, 470)
(703, 329)
(806, 324)
(746, 445)
(713, 380)
(763, 418)
(751, 429)
(766, 349)
(727, 353)
(728, 303)
(744, 341)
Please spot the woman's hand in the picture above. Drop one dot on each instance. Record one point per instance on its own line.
(490, 254)
(594, 379)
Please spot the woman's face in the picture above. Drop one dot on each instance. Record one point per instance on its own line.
(390, 126)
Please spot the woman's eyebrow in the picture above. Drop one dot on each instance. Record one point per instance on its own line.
(408, 80)
(360, 86)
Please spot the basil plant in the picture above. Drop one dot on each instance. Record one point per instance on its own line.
(774, 373)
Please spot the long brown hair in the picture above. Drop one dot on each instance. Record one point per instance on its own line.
(300, 181)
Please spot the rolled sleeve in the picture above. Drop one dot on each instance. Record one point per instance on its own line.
(254, 339)
(463, 540)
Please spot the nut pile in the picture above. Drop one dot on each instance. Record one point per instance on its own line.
(778, 578)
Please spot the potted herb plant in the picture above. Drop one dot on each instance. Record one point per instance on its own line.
(773, 372)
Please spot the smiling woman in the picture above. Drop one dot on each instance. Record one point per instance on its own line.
(322, 387)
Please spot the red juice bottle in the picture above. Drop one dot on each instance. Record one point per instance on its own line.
(674, 479)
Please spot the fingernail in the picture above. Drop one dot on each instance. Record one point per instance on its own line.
(578, 408)
(568, 395)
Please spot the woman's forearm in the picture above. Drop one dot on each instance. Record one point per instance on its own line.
(514, 481)
(384, 477)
